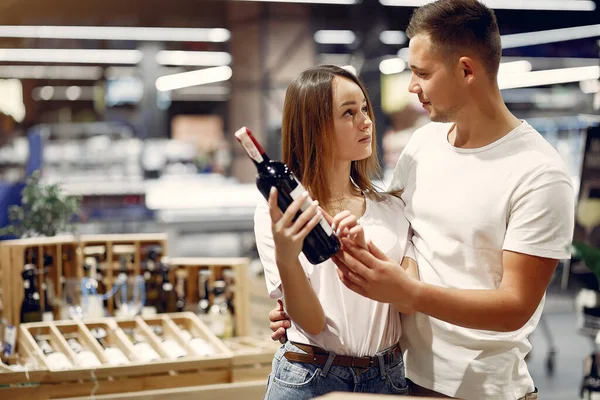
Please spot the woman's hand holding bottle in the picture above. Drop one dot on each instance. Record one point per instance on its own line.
(288, 234)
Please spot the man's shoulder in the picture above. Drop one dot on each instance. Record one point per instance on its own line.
(538, 155)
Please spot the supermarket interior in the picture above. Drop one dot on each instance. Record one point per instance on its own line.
(129, 266)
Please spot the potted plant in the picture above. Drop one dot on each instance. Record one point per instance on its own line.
(44, 210)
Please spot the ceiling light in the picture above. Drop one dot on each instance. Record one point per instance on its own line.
(549, 36)
(515, 67)
(548, 77)
(334, 37)
(392, 66)
(590, 87)
(309, 1)
(560, 5)
(195, 58)
(117, 33)
(50, 72)
(193, 78)
(73, 56)
(393, 37)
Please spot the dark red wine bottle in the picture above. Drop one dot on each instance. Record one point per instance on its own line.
(321, 243)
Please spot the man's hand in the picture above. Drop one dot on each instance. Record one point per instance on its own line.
(371, 273)
(280, 322)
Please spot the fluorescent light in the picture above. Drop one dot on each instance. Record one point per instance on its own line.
(514, 67)
(334, 37)
(392, 66)
(196, 58)
(73, 56)
(193, 78)
(590, 87)
(393, 37)
(549, 36)
(73, 93)
(548, 77)
(116, 33)
(70, 93)
(560, 5)
(308, 1)
(50, 72)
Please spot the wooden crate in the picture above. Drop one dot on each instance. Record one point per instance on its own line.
(115, 246)
(216, 266)
(252, 357)
(63, 249)
(46, 383)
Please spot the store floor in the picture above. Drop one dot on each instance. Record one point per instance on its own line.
(559, 315)
(571, 349)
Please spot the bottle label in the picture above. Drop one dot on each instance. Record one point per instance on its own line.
(296, 193)
(47, 316)
(249, 145)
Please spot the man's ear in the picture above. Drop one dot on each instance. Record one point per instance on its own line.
(468, 68)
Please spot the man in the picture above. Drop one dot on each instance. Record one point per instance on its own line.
(492, 209)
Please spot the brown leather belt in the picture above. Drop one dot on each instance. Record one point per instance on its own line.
(318, 356)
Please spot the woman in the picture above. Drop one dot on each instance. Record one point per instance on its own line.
(339, 340)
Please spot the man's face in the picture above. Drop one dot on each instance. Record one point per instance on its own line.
(434, 80)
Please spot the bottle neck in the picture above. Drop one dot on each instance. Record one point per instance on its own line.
(261, 166)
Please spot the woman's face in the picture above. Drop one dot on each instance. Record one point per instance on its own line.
(352, 124)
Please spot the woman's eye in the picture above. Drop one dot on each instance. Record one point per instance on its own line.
(348, 112)
(365, 109)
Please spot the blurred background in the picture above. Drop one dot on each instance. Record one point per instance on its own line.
(132, 105)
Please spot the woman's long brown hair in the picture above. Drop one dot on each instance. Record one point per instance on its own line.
(308, 138)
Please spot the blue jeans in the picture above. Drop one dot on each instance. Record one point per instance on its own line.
(295, 380)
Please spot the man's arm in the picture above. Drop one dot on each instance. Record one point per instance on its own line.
(372, 274)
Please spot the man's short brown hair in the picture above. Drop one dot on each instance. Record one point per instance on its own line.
(459, 26)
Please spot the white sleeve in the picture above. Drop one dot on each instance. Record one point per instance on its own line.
(266, 251)
(542, 216)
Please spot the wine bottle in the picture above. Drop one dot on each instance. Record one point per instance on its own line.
(221, 320)
(151, 278)
(181, 275)
(114, 355)
(203, 292)
(168, 297)
(172, 348)
(31, 310)
(200, 346)
(143, 350)
(321, 243)
(84, 357)
(55, 359)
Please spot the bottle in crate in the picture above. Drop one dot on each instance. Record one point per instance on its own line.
(172, 348)
(31, 310)
(84, 357)
(168, 297)
(114, 355)
(54, 359)
(142, 349)
(221, 320)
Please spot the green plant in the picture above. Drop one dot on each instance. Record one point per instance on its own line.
(45, 210)
(589, 254)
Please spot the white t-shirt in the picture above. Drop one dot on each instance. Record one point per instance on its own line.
(465, 207)
(355, 325)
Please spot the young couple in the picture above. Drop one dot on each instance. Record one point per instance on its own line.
(479, 201)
